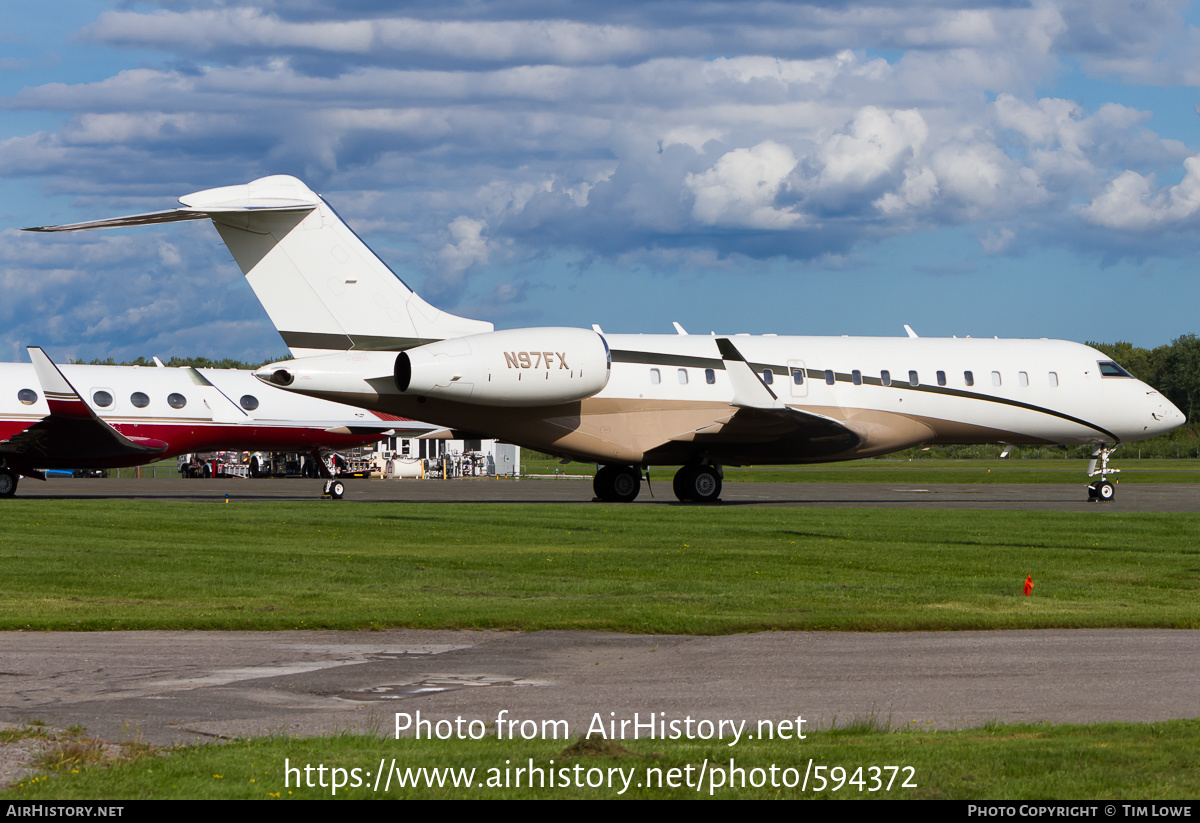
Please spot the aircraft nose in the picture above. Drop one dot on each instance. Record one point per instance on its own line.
(1165, 414)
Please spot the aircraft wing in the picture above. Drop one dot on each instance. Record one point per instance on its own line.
(761, 417)
(72, 435)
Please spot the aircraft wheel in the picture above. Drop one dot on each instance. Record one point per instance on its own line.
(337, 489)
(680, 485)
(602, 481)
(254, 469)
(701, 484)
(617, 484)
(8, 482)
(1105, 491)
(706, 485)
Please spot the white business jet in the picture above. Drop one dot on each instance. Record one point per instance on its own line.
(83, 417)
(629, 401)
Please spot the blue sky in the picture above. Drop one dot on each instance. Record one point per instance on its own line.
(1011, 169)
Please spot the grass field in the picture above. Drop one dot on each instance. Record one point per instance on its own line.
(1015, 762)
(107, 564)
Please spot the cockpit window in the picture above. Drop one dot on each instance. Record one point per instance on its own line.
(1110, 369)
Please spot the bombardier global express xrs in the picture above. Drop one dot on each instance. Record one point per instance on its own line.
(628, 401)
(135, 415)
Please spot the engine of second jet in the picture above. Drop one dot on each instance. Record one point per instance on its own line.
(515, 367)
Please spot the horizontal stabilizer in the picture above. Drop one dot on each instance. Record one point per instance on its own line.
(172, 216)
(311, 272)
(382, 432)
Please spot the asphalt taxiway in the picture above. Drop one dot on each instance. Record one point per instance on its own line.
(168, 687)
(1131, 497)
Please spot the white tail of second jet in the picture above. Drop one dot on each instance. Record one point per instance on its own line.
(322, 287)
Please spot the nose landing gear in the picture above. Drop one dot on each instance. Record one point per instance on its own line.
(1101, 491)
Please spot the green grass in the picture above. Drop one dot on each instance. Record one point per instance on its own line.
(1100, 762)
(86, 564)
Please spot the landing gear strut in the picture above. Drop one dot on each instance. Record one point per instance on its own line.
(698, 484)
(617, 484)
(1101, 490)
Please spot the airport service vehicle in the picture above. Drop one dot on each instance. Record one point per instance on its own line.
(101, 417)
(628, 401)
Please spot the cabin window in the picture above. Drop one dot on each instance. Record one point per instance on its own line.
(682, 377)
(885, 377)
(995, 378)
(941, 376)
(856, 376)
(768, 376)
(249, 402)
(969, 378)
(27, 396)
(1023, 378)
(913, 380)
(1054, 380)
(139, 400)
(830, 379)
(1110, 369)
(710, 376)
(102, 399)
(655, 377)
(176, 400)
(798, 377)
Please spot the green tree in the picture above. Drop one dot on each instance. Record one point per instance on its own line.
(1181, 375)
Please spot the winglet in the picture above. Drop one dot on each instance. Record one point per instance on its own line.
(61, 396)
(749, 390)
(72, 423)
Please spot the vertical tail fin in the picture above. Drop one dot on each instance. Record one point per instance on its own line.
(323, 288)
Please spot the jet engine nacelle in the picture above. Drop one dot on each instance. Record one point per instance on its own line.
(362, 373)
(515, 367)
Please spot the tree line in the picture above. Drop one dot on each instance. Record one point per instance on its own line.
(195, 362)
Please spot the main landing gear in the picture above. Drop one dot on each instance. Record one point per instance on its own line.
(8, 482)
(692, 484)
(698, 484)
(1101, 491)
(617, 484)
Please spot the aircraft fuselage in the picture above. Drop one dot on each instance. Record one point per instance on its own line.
(669, 399)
